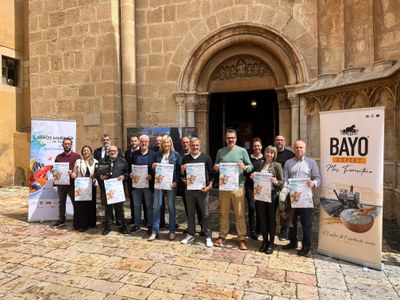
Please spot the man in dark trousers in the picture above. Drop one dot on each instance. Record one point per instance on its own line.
(134, 145)
(283, 155)
(70, 157)
(102, 152)
(301, 166)
(198, 200)
(118, 169)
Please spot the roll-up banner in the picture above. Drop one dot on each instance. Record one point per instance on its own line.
(350, 226)
(46, 144)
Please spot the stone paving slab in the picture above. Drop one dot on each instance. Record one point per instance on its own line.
(38, 262)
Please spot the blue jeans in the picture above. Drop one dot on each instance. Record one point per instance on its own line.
(138, 195)
(158, 195)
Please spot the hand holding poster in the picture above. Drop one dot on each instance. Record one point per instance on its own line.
(61, 173)
(164, 176)
(262, 186)
(114, 190)
(300, 193)
(83, 189)
(195, 176)
(228, 177)
(140, 173)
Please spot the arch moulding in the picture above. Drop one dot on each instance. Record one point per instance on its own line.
(283, 59)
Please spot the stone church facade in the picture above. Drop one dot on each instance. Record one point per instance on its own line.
(117, 64)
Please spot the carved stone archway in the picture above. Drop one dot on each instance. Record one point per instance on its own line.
(222, 62)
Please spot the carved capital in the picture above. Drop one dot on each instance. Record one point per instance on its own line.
(294, 99)
(180, 99)
(202, 102)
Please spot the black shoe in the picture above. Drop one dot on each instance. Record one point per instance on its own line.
(254, 236)
(106, 231)
(118, 223)
(270, 249)
(135, 229)
(58, 224)
(290, 246)
(263, 247)
(303, 251)
(283, 234)
(123, 230)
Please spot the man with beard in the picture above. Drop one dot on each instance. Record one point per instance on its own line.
(118, 169)
(284, 215)
(70, 157)
(102, 152)
(233, 154)
(134, 145)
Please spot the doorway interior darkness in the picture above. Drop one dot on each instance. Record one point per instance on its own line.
(234, 110)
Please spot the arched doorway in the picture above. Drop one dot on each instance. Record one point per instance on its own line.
(250, 113)
(240, 62)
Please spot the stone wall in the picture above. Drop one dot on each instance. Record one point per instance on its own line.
(75, 65)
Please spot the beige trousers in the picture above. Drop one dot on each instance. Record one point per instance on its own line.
(235, 198)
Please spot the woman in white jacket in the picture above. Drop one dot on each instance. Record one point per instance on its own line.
(85, 211)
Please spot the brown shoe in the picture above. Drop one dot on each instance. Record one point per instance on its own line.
(219, 242)
(242, 245)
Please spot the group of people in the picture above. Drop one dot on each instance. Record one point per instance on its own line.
(277, 160)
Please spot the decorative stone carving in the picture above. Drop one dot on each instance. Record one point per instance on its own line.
(243, 67)
(370, 96)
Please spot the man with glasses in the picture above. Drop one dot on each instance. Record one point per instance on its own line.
(233, 153)
(118, 169)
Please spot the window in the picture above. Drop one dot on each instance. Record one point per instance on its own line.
(9, 70)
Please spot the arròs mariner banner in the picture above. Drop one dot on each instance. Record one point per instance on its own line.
(350, 226)
(46, 144)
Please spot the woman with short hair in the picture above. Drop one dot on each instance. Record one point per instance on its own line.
(266, 211)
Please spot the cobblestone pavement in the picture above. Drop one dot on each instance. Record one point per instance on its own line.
(38, 262)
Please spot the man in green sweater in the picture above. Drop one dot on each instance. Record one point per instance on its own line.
(233, 154)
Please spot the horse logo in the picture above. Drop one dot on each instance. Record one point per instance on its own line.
(351, 130)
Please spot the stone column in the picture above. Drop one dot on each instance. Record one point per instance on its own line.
(190, 103)
(202, 109)
(295, 117)
(128, 67)
(285, 121)
(180, 103)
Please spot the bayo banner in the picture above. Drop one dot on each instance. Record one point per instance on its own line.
(350, 226)
(46, 144)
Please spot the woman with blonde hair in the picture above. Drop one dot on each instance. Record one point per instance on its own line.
(266, 211)
(85, 211)
(166, 155)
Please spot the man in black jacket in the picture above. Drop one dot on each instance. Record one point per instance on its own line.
(102, 152)
(134, 146)
(118, 169)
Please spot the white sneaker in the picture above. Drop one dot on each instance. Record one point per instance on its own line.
(189, 239)
(209, 242)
